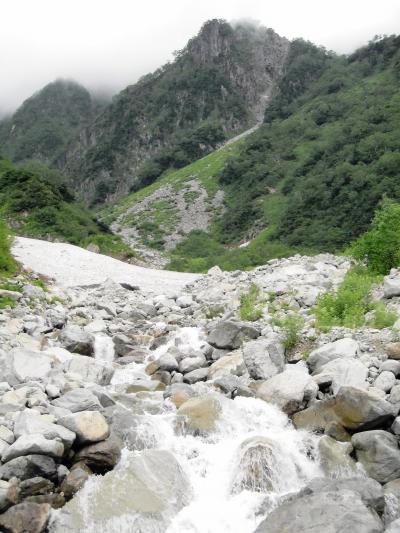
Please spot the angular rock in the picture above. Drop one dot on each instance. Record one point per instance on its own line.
(90, 370)
(25, 517)
(391, 286)
(358, 409)
(264, 357)
(385, 381)
(188, 364)
(33, 444)
(28, 365)
(335, 457)
(76, 340)
(29, 466)
(201, 374)
(228, 365)
(9, 494)
(379, 454)
(30, 422)
(230, 335)
(75, 479)
(89, 426)
(290, 390)
(78, 400)
(102, 456)
(341, 373)
(35, 486)
(168, 362)
(340, 349)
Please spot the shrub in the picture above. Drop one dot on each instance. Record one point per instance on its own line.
(380, 246)
(7, 263)
(291, 326)
(250, 304)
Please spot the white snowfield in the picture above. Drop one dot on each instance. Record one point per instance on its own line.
(71, 266)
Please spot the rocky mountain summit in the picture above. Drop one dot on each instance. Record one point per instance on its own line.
(125, 408)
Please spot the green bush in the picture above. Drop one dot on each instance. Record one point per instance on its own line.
(291, 326)
(7, 263)
(380, 246)
(348, 305)
(383, 318)
(251, 306)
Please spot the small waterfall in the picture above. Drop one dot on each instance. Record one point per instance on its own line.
(104, 348)
(234, 476)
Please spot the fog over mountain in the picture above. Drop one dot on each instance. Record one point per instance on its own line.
(107, 45)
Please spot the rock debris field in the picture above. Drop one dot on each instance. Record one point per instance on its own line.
(139, 400)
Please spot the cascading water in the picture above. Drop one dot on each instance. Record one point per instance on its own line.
(226, 481)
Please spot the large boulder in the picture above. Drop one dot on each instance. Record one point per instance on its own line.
(341, 373)
(340, 349)
(379, 453)
(358, 409)
(264, 357)
(75, 479)
(317, 417)
(101, 456)
(330, 511)
(228, 364)
(78, 400)
(89, 426)
(290, 390)
(202, 413)
(150, 487)
(230, 335)
(335, 457)
(26, 517)
(76, 340)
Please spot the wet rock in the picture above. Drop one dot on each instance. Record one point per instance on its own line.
(102, 456)
(25, 517)
(89, 426)
(358, 409)
(145, 385)
(340, 349)
(202, 413)
(379, 454)
(75, 479)
(140, 489)
(9, 494)
(179, 393)
(337, 432)
(76, 340)
(33, 444)
(230, 335)
(29, 466)
(78, 400)
(290, 390)
(335, 457)
(264, 357)
(333, 511)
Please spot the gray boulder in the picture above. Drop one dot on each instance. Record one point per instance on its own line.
(328, 511)
(340, 349)
(33, 444)
(358, 409)
(167, 362)
(76, 340)
(340, 373)
(391, 286)
(29, 466)
(30, 423)
(290, 390)
(90, 370)
(385, 381)
(26, 517)
(229, 335)
(78, 400)
(188, 364)
(200, 374)
(379, 454)
(27, 365)
(264, 357)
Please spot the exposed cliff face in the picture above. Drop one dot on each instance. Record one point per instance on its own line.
(46, 122)
(225, 75)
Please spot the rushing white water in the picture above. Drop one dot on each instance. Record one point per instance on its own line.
(233, 476)
(104, 347)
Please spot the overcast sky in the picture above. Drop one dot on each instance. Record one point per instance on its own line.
(111, 43)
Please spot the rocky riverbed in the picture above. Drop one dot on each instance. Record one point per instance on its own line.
(155, 410)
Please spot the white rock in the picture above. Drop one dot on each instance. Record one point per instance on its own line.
(29, 423)
(28, 365)
(385, 381)
(342, 372)
(340, 349)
